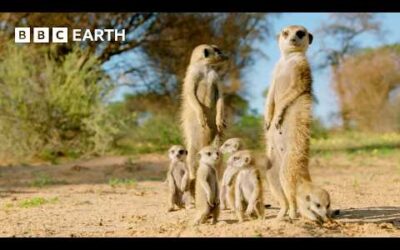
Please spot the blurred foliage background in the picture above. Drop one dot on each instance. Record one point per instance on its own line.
(55, 100)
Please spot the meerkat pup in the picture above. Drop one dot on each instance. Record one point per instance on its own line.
(178, 178)
(287, 128)
(314, 203)
(202, 107)
(248, 186)
(227, 193)
(231, 146)
(207, 200)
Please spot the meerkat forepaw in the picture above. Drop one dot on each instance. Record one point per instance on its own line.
(267, 122)
(267, 125)
(278, 124)
(220, 126)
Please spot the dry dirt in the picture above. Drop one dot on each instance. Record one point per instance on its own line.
(83, 203)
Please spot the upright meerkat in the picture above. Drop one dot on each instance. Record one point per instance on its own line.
(178, 178)
(287, 125)
(202, 110)
(207, 200)
(227, 193)
(248, 186)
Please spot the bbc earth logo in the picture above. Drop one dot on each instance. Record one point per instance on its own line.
(62, 35)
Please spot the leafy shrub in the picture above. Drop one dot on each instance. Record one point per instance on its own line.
(249, 128)
(156, 133)
(318, 130)
(52, 107)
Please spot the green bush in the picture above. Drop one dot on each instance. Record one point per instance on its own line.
(318, 130)
(51, 107)
(157, 133)
(249, 128)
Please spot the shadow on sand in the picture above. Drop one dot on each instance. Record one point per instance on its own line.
(382, 214)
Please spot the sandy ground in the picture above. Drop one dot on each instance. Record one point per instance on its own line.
(83, 203)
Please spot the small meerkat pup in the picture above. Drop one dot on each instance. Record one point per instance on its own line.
(287, 126)
(202, 106)
(207, 199)
(314, 203)
(248, 186)
(178, 178)
(227, 193)
(231, 146)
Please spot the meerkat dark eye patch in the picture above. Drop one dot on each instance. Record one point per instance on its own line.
(317, 205)
(300, 34)
(308, 198)
(181, 152)
(235, 158)
(310, 38)
(218, 51)
(247, 160)
(206, 53)
(209, 153)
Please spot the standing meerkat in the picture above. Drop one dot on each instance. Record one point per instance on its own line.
(227, 193)
(178, 178)
(207, 200)
(287, 125)
(202, 109)
(248, 186)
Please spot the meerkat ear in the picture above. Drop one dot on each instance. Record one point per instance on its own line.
(186, 152)
(247, 160)
(308, 198)
(277, 36)
(310, 38)
(206, 53)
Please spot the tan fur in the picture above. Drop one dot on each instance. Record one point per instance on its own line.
(207, 199)
(178, 178)
(227, 193)
(314, 202)
(248, 186)
(202, 106)
(288, 119)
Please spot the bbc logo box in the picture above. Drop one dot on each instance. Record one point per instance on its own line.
(41, 35)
